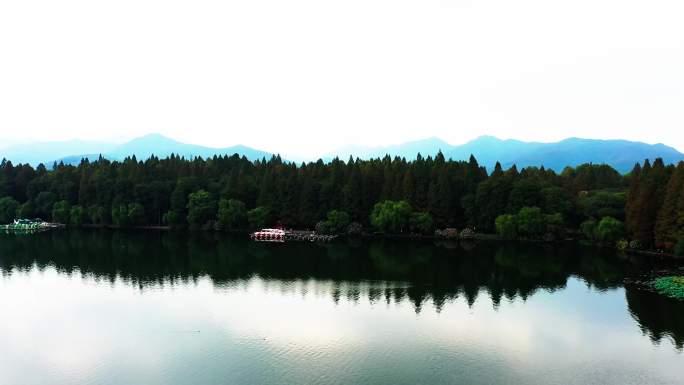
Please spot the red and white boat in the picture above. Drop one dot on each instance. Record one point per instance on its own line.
(269, 235)
(280, 235)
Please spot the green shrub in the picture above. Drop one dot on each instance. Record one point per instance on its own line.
(506, 226)
(8, 209)
(136, 214)
(26, 210)
(531, 221)
(337, 221)
(201, 208)
(421, 223)
(77, 216)
(610, 229)
(635, 244)
(589, 229)
(98, 215)
(232, 213)
(555, 224)
(61, 212)
(120, 214)
(391, 216)
(171, 218)
(258, 217)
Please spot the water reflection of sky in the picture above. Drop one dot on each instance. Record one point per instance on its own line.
(63, 329)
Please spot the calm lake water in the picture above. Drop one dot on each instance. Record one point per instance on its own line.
(102, 307)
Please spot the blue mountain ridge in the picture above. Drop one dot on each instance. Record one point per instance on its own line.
(620, 154)
(71, 152)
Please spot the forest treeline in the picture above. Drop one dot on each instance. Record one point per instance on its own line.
(644, 208)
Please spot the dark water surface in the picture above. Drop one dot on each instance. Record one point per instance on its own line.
(102, 307)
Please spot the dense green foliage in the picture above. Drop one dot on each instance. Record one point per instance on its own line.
(388, 194)
(531, 221)
(507, 226)
(171, 218)
(610, 230)
(258, 217)
(98, 215)
(391, 216)
(136, 214)
(335, 223)
(77, 216)
(588, 228)
(61, 212)
(602, 203)
(655, 204)
(232, 214)
(672, 286)
(201, 208)
(421, 223)
(8, 209)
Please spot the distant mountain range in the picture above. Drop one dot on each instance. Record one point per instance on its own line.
(620, 154)
(71, 152)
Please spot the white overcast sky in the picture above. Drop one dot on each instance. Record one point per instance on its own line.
(304, 77)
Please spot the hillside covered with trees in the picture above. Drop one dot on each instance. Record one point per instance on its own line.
(643, 209)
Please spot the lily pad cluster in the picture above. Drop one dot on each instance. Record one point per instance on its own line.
(672, 286)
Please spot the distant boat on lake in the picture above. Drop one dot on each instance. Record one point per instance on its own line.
(280, 235)
(28, 226)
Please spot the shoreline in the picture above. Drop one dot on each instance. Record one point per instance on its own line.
(411, 237)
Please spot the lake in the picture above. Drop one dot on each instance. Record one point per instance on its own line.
(107, 307)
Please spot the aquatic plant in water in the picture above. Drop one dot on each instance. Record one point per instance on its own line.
(672, 286)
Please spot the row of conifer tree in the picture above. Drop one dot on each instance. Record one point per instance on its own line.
(387, 194)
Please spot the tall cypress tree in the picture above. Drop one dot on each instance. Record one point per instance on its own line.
(352, 193)
(408, 188)
(649, 200)
(633, 195)
(666, 225)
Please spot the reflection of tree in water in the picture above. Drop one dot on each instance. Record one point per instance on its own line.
(390, 271)
(658, 316)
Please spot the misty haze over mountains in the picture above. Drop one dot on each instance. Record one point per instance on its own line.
(620, 154)
(72, 151)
